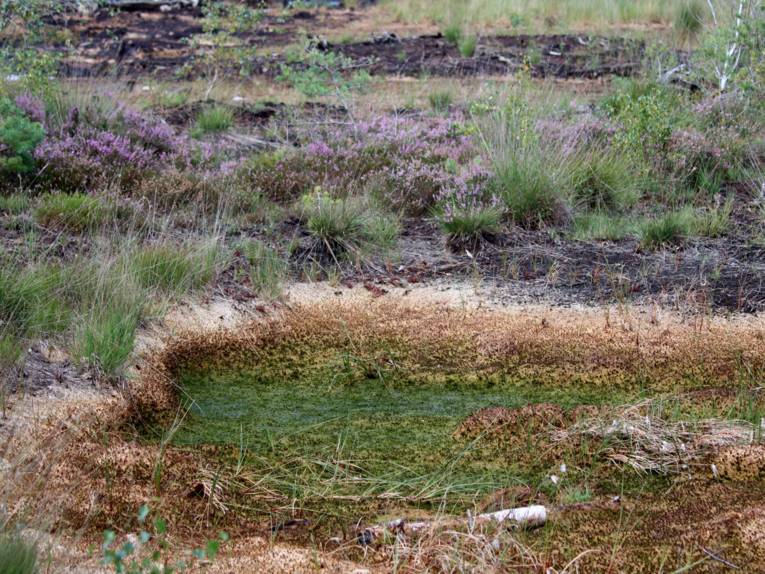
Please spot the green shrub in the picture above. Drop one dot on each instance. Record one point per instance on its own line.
(346, 226)
(266, 269)
(17, 556)
(19, 136)
(76, 212)
(440, 101)
(172, 268)
(213, 120)
(471, 225)
(689, 19)
(316, 73)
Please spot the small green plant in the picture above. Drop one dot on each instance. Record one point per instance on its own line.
(77, 212)
(316, 73)
(440, 101)
(266, 269)
(107, 336)
(17, 556)
(148, 554)
(19, 136)
(467, 46)
(211, 120)
(346, 226)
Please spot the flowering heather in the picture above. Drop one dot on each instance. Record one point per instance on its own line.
(32, 107)
(407, 161)
(125, 147)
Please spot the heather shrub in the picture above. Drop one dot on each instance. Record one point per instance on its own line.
(19, 136)
(100, 145)
(405, 161)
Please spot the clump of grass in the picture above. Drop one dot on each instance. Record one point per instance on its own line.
(674, 227)
(689, 19)
(469, 226)
(173, 269)
(107, 337)
(266, 268)
(603, 226)
(440, 101)
(17, 556)
(213, 120)
(453, 33)
(14, 204)
(467, 46)
(30, 301)
(602, 180)
(345, 226)
(77, 212)
(530, 177)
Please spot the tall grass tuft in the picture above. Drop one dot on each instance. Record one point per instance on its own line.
(689, 19)
(347, 226)
(17, 556)
(531, 177)
(213, 120)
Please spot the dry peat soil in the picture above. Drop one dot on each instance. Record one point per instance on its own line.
(448, 383)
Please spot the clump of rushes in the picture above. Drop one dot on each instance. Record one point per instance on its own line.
(440, 101)
(213, 120)
(348, 226)
(689, 19)
(14, 204)
(604, 181)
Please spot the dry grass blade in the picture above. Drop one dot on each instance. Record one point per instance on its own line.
(652, 444)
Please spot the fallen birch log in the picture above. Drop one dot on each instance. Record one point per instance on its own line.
(524, 517)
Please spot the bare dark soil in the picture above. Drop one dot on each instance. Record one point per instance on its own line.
(140, 42)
